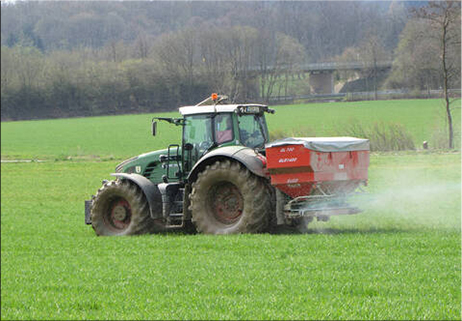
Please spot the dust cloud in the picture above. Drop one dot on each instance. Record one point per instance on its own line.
(408, 201)
(412, 202)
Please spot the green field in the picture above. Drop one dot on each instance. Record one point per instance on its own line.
(399, 259)
(124, 136)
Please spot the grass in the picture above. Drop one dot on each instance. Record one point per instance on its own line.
(96, 137)
(387, 263)
(399, 259)
(124, 136)
(420, 117)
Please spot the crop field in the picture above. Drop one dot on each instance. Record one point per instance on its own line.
(399, 259)
(124, 136)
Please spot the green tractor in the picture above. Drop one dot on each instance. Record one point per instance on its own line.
(214, 182)
(227, 178)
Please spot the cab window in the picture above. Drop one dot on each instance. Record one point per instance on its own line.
(223, 128)
(252, 130)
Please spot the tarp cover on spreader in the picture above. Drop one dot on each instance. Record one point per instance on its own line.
(324, 144)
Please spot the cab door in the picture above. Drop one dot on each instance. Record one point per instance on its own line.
(197, 139)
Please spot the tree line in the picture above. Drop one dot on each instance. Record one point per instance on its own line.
(175, 55)
(324, 29)
(182, 67)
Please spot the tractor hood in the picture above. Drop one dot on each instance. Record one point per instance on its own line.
(141, 160)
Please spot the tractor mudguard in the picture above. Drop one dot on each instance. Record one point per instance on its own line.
(150, 190)
(244, 155)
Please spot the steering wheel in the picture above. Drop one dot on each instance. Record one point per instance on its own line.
(244, 136)
(255, 134)
(204, 145)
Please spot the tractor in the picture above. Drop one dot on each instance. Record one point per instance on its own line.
(226, 177)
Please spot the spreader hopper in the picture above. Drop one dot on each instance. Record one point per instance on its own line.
(317, 175)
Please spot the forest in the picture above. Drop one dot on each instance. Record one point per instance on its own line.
(67, 59)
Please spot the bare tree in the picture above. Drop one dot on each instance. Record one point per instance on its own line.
(292, 55)
(177, 53)
(239, 50)
(29, 66)
(349, 55)
(141, 46)
(414, 65)
(277, 55)
(115, 51)
(372, 53)
(444, 17)
(214, 62)
(7, 71)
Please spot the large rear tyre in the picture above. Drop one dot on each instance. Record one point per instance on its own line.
(120, 208)
(228, 199)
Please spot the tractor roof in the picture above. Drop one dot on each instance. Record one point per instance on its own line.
(210, 109)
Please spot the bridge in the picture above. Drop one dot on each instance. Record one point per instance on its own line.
(354, 65)
(322, 74)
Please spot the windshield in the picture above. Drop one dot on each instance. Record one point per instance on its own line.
(253, 130)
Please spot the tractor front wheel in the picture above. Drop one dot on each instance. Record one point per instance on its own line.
(228, 199)
(120, 208)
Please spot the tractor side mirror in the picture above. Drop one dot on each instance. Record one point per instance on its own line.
(188, 147)
(154, 128)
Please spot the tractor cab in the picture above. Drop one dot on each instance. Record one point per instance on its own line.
(210, 125)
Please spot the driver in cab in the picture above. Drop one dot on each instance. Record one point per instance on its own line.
(224, 128)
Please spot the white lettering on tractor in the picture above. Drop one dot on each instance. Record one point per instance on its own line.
(293, 185)
(292, 180)
(288, 160)
(288, 149)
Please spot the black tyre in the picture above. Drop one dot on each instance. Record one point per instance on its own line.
(120, 208)
(228, 199)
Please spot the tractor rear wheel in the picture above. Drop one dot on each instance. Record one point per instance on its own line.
(228, 199)
(120, 208)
